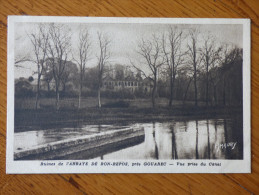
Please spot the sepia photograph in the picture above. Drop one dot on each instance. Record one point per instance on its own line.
(162, 91)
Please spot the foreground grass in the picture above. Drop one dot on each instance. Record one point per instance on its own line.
(27, 118)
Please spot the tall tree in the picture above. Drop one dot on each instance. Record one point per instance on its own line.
(151, 52)
(40, 41)
(171, 45)
(210, 54)
(58, 48)
(194, 58)
(104, 55)
(81, 58)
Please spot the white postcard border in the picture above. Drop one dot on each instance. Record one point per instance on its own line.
(227, 166)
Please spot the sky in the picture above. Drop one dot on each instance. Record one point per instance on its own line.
(124, 39)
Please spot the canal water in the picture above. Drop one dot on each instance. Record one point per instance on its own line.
(185, 139)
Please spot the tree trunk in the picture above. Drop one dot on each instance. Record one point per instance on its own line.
(80, 91)
(154, 93)
(79, 98)
(57, 96)
(37, 93)
(185, 95)
(195, 87)
(48, 87)
(99, 97)
(171, 90)
(215, 94)
(224, 92)
(207, 84)
(172, 78)
(57, 101)
(64, 87)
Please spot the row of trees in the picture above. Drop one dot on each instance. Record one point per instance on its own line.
(192, 56)
(189, 59)
(53, 53)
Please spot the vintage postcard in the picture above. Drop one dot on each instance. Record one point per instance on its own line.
(128, 95)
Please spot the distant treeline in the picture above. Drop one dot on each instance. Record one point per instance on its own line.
(201, 70)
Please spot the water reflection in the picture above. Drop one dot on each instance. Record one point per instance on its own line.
(197, 139)
(188, 139)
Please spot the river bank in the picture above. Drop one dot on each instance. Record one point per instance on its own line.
(30, 119)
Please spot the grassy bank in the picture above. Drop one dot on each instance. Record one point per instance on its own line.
(113, 111)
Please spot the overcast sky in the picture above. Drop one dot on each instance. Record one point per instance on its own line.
(124, 39)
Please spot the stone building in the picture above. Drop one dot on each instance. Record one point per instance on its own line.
(122, 78)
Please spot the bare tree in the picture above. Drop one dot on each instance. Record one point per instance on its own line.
(151, 52)
(69, 75)
(210, 54)
(22, 56)
(20, 59)
(103, 58)
(173, 55)
(58, 48)
(40, 42)
(82, 57)
(47, 75)
(194, 58)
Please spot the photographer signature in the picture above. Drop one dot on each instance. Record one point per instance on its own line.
(222, 146)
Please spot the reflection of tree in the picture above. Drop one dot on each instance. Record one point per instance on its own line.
(150, 143)
(215, 142)
(208, 133)
(185, 126)
(226, 138)
(197, 134)
(237, 135)
(174, 149)
(154, 136)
